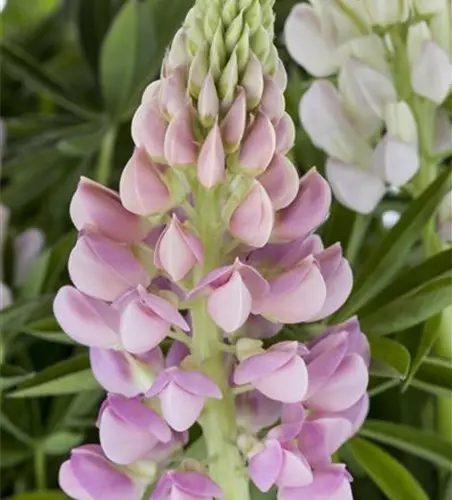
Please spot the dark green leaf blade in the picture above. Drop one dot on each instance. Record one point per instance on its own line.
(410, 309)
(425, 445)
(389, 358)
(389, 475)
(66, 377)
(389, 256)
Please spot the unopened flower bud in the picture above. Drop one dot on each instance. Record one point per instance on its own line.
(208, 102)
(180, 144)
(273, 103)
(178, 250)
(149, 129)
(173, 93)
(253, 81)
(233, 124)
(211, 160)
(142, 188)
(280, 180)
(252, 221)
(386, 12)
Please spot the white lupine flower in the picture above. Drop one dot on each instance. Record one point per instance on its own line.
(366, 88)
(431, 73)
(400, 121)
(27, 247)
(440, 26)
(396, 161)
(443, 131)
(307, 44)
(426, 7)
(6, 297)
(387, 12)
(327, 124)
(370, 49)
(444, 219)
(359, 189)
(418, 35)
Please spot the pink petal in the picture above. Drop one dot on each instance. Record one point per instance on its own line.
(308, 210)
(180, 408)
(285, 134)
(180, 143)
(87, 320)
(259, 144)
(142, 188)
(233, 124)
(104, 269)
(344, 388)
(149, 129)
(69, 483)
(230, 305)
(264, 467)
(211, 160)
(288, 384)
(196, 484)
(196, 383)
(280, 180)
(295, 471)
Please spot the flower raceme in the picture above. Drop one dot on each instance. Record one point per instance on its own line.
(183, 280)
(393, 63)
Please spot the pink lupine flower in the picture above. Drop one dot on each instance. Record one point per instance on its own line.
(182, 394)
(146, 320)
(280, 180)
(255, 411)
(89, 475)
(178, 250)
(331, 483)
(233, 124)
(272, 371)
(338, 368)
(320, 438)
(258, 146)
(173, 92)
(285, 134)
(142, 188)
(99, 207)
(103, 268)
(211, 161)
(234, 291)
(87, 320)
(149, 129)
(308, 210)
(186, 485)
(279, 464)
(297, 295)
(180, 144)
(122, 373)
(252, 221)
(129, 430)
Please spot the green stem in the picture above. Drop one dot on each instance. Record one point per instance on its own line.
(218, 421)
(106, 156)
(40, 467)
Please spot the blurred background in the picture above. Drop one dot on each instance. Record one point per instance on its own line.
(72, 72)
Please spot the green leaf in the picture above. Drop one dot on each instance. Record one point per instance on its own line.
(434, 328)
(40, 495)
(434, 376)
(12, 375)
(389, 358)
(48, 329)
(61, 442)
(127, 53)
(32, 74)
(424, 445)
(93, 20)
(390, 255)
(410, 309)
(13, 318)
(389, 475)
(412, 278)
(376, 386)
(66, 377)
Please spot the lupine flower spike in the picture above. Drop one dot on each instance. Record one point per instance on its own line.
(205, 253)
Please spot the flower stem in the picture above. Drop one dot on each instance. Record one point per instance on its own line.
(40, 467)
(105, 164)
(218, 421)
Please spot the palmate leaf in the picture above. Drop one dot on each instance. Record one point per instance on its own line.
(389, 256)
(423, 444)
(393, 479)
(66, 377)
(33, 75)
